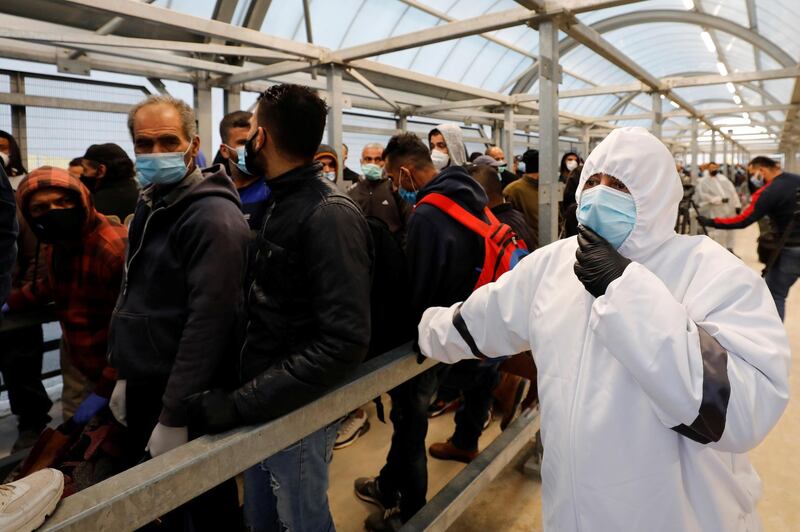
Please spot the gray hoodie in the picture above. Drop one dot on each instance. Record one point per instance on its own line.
(455, 142)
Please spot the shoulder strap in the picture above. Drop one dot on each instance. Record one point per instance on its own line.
(458, 213)
(786, 233)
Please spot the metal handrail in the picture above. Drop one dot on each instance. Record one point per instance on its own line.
(141, 494)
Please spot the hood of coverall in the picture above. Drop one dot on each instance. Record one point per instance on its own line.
(455, 143)
(645, 165)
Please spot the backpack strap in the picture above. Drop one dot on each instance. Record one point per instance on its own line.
(459, 213)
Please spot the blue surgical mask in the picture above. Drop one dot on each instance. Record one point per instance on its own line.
(608, 212)
(240, 163)
(408, 196)
(757, 179)
(372, 172)
(501, 168)
(161, 168)
(521, 167)
(330, 176)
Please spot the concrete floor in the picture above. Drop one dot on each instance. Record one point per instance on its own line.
(512, 502)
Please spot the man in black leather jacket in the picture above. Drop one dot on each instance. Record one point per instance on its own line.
(308, 315)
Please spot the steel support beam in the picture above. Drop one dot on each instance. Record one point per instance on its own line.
(233, 100)
(256, 14)
(335, 107)
(549, 79)
(205, 120)
(695, 152)
(507, 135)
(359, 77)
(644, 16)
(19, 116)
(20, 101)
(657, 116)
(199, 25)
(73, 37)
(713, 154)
(269, 71)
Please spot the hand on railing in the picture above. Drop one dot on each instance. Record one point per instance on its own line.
(212, 411)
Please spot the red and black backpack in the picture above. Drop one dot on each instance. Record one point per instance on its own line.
(503, 250)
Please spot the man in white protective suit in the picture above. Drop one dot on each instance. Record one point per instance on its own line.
(661, 357)
(716, 197)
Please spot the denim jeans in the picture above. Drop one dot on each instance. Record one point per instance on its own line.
(782, 276)
(289, 490)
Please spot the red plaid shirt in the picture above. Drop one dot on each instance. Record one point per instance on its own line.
(83, 281)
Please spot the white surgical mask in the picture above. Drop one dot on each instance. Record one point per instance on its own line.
(5, 158)
(440, 159)
(571, 165)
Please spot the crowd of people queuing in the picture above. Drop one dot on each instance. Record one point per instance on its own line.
(195, 300)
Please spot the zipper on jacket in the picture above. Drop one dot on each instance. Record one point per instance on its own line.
(139, 248)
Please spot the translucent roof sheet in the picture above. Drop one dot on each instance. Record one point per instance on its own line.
(495, 60)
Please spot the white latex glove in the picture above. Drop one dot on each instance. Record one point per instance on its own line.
(166, 438)
(117, 402)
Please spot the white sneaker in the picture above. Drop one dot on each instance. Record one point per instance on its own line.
(26, 503)
(353, 426)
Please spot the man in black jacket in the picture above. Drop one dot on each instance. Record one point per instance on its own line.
(444, 260)
(777, 199)
(172, 331)
(308, 313)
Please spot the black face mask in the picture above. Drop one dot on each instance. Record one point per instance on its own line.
(251, 162)
(57, 225)
(89, 181)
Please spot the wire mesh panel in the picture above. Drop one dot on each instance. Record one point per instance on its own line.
(55, 136)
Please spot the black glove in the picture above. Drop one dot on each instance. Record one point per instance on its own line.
(704, 221)
(598, 262)
(211, 412)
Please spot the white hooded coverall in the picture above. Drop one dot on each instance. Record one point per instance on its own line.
(709, 195)
(652, 393)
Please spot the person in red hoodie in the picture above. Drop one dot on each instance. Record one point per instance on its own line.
(85, 257)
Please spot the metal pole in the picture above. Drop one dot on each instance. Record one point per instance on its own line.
(695, 154)
(402, 122)
(723, 168)
(233, 100)
(205, 121)
(713, 145)
(655, 127)
(19, 117)
(729, 168)
(335, 105)
(586, 138)
(507, 138)
(549, 79)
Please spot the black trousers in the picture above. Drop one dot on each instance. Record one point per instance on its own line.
(21, 352)
(214, 510)
(405, 474)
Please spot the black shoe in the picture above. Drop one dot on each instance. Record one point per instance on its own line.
(367, 490)
(385, 521)
(440, 406)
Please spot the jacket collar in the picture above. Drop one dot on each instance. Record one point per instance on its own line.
(295, 177)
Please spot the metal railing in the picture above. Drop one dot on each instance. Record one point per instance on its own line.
(141, 494)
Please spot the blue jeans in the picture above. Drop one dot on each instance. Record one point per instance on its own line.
(782, 276)
(289, 490)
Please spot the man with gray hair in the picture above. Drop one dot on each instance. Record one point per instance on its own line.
(172, 332)
(375, 194)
